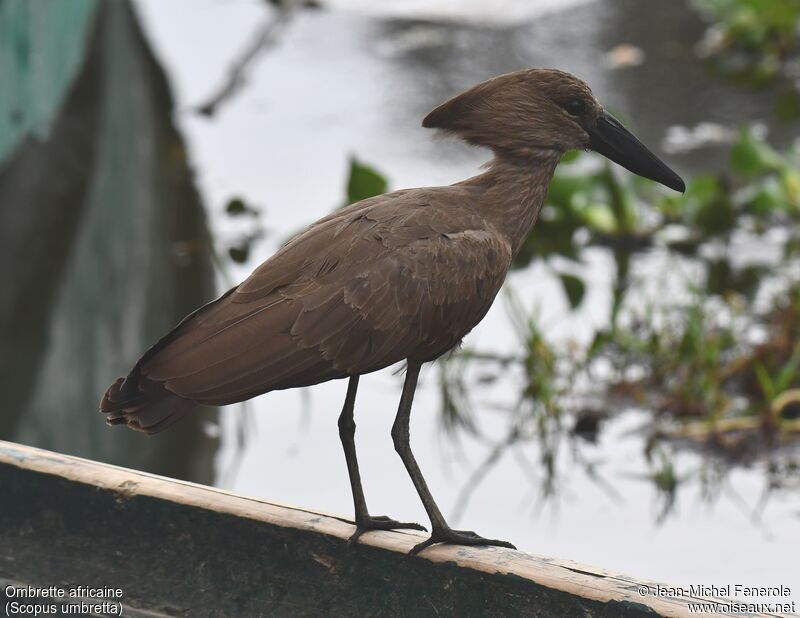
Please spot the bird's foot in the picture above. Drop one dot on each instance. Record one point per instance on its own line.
(380, 522)
(457, 537)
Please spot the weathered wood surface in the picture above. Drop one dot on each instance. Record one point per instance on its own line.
(176, 548)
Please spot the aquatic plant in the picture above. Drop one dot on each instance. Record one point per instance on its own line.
(750, 39)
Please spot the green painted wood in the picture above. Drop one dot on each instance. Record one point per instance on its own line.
(42, 47)
(103, 248)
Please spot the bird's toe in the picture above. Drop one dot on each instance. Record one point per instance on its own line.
(381, 522)
(449, 536)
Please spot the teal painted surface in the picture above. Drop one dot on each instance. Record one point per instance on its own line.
(42, 44)
(103, 249)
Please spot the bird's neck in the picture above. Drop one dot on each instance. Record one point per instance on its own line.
(513, 192)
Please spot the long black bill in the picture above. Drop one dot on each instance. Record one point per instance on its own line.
(612, 140)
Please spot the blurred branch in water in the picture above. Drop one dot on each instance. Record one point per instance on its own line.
(479, 473)
(538, 413)
(265, 36)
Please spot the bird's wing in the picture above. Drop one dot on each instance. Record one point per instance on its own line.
(386, 279)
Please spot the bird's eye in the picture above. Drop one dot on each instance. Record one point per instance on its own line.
(574, 107)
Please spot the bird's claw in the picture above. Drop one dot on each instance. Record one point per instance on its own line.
(457, 537)
(380, 522)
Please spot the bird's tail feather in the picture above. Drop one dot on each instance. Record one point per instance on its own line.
(150, 410)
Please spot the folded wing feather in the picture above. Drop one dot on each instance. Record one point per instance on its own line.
(386, 279)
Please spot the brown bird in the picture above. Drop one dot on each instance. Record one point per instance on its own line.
(402, 276)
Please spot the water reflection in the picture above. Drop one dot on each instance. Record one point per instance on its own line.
(105, 233)
(671, 87)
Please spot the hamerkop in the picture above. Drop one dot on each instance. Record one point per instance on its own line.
(402, 276)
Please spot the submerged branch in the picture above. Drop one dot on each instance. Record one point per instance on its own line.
(265, 37)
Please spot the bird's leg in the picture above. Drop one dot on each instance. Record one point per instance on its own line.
(440, 531)
(347, 432)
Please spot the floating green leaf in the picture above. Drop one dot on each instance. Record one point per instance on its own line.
(599, 218)
(574, 288)
(752, 156)
(364, 182)
(237, 207)
(240, 253)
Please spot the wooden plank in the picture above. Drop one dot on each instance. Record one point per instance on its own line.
(177, 548)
